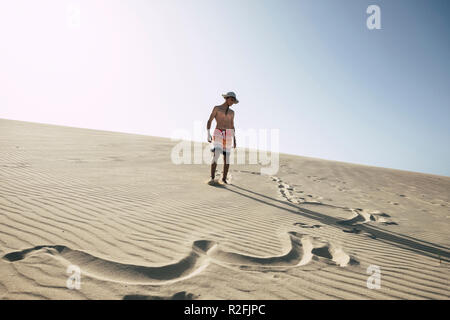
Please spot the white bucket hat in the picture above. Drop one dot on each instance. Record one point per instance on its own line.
(230, 94)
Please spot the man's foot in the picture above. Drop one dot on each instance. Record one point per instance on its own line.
(211, 182)
(224, 181)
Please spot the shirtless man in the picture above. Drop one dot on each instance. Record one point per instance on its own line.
(223, 134)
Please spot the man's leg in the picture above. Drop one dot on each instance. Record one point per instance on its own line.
(225, 171)
(226, 165)
(215, 158)
(213, 170)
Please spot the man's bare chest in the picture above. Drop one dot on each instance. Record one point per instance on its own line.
(224, 116)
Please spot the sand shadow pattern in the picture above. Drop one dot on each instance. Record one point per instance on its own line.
(360, 220)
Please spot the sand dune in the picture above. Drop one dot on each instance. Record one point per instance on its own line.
(140, 227)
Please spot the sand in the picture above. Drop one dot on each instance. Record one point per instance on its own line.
(140, 227)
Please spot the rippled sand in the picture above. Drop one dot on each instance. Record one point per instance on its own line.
(139, 226)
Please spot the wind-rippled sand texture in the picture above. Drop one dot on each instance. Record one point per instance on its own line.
(140, 227)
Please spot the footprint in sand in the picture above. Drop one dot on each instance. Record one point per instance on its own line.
(304, 225)
(287, 192)
(203, 252)
(361, 216)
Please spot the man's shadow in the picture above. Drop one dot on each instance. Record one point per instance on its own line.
(422, 247)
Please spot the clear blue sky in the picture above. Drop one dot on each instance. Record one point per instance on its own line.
(335, 89)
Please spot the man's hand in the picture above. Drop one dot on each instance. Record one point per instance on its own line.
(208, 124)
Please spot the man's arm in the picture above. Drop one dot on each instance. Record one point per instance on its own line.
(234, 131)
(208, 125)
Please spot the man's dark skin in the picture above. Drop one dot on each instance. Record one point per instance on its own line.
(224, 121)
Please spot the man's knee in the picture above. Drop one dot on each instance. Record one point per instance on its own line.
(216, 155)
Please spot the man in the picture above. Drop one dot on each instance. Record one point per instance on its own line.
(223, 134)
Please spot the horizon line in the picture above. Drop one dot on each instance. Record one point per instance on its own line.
(245, 148)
